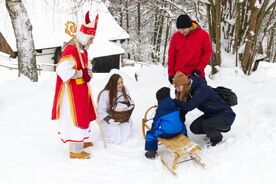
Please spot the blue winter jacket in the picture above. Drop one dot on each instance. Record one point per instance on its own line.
(204, 98)
(167, 118)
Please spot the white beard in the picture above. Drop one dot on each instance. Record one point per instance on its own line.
(83, 39)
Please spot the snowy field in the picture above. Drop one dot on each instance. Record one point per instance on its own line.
(31, 152)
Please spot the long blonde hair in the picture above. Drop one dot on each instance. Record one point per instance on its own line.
(185, 93)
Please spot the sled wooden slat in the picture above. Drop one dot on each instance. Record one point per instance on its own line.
(168, 167)
(180, 147)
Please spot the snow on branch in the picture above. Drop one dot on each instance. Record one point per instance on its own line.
(258, 4)
(176, 6)
(231, 21)
(203, 1)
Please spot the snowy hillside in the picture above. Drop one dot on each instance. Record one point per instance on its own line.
(32, 153)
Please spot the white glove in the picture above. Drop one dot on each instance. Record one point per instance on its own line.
(78, 74)
(90, 73)
(113, 122)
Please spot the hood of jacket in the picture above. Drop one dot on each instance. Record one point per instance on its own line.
(165, 106)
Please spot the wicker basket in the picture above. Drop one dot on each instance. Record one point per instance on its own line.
(122, 116)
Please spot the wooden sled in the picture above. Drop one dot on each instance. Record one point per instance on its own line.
(180, 146)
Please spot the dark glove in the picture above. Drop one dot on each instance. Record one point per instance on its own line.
(85, 75)
(178, 103)
(183, 116)
(171, 79)
(196, 73)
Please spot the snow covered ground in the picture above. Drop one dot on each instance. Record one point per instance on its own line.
(32, 153)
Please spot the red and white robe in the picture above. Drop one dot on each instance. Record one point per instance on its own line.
(72, 102)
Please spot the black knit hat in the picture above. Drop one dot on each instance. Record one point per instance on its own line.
(163, 93)
(183, 21)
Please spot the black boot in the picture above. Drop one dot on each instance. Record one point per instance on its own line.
(150, 154)
(214, 142)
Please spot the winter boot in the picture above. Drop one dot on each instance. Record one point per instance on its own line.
(81, 155)
(150, 154)
(87, 144)
(214, 142)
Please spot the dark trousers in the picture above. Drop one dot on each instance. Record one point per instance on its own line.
(211, 126)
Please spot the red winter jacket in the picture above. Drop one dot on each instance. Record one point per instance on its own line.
(190, 52)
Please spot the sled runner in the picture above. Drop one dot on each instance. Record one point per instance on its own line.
(180, 146)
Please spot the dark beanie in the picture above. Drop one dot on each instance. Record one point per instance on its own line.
(183, 21)
(163, 93)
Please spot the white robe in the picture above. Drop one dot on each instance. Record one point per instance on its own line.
(112, 133)
(66, 129)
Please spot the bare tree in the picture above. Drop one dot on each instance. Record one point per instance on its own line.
(139, 19)
(214, 19)
(158, 30)
(245, 26)
(24, 39)
(258, 13)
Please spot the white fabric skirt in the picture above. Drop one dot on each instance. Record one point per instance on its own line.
(116, 134)
(66, 129)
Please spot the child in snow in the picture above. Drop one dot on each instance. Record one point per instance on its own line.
(114, 91)
(166, 122)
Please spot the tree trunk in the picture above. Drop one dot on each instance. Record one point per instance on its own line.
(218, 33)
(237, 32)
(127, 16)
(139, 30)
(269, 52)
(139, 20)
(24, 39)
(122, 15)
(127, 23)
(255, 22)
(210, 22)
(160, 32)
(249, 46)
(214, 21)
(155, 32)
(166, 40)
(242, 12)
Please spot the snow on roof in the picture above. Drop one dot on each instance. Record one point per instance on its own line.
(47, 32)
(107, 26)
(101, 48)
(49, 23)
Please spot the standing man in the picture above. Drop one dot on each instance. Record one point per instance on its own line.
(190, 49)
(72, 102)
